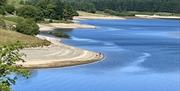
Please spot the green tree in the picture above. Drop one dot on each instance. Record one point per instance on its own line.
(27, 26)
(29, 11)
(9, 71)
(68, 12)
(2, 2)
(9, 9)
(47, 7)
(2, 10)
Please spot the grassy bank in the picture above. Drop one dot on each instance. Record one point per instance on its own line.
(8, 37)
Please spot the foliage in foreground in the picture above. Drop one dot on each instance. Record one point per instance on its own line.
(9, 71)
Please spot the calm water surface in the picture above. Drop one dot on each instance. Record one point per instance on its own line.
(141, 55)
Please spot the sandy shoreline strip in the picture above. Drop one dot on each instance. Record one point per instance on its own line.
(57, 55)
(99, 17)
(157, 17)
(53, 26)
(85, 15)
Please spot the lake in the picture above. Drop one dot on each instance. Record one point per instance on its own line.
(141, 55)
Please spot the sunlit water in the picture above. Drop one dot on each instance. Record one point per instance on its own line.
(141, 55)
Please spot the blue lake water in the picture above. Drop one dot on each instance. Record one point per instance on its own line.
(141, 55)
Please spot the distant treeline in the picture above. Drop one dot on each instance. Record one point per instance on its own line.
(172, 6)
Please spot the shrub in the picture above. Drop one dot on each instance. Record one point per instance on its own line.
(2, 11)
(2, 24)
(29, 11)
(28, 27)
(9, 9)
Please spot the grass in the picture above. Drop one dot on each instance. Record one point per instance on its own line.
(10, 37)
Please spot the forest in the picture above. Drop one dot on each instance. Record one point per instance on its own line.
(171, 6)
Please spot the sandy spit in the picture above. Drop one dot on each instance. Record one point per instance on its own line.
(52, 26)
(57, 55)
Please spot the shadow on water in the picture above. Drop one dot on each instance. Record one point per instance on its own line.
(66, 30)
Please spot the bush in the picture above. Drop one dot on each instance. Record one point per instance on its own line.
(9, 9)
(28, 27)
(2, 11)
(2, 24)
(29, 11)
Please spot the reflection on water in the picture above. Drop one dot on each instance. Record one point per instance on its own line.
(141, 55)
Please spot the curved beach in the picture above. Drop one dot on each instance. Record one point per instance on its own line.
(57, 55)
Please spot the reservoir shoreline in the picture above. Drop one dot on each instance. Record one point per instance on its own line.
(57, 54)
(53, 55)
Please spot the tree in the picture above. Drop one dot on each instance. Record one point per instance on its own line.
(27, 26)
(127, 5)
(2, 2)
(29, 11)
(2, 10)
(9, 9)
(47, 7)
(68, 12)
(9, 55)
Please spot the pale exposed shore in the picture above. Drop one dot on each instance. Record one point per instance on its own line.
(157, 16)
(85, 15)
(57, 55)
(52, 26)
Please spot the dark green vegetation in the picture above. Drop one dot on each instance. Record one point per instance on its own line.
(22, 15)
(9, 9)
(9, 55)
(59, 34)
(123, 7)
(50, 9)
(31, 26)
(38, 9)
